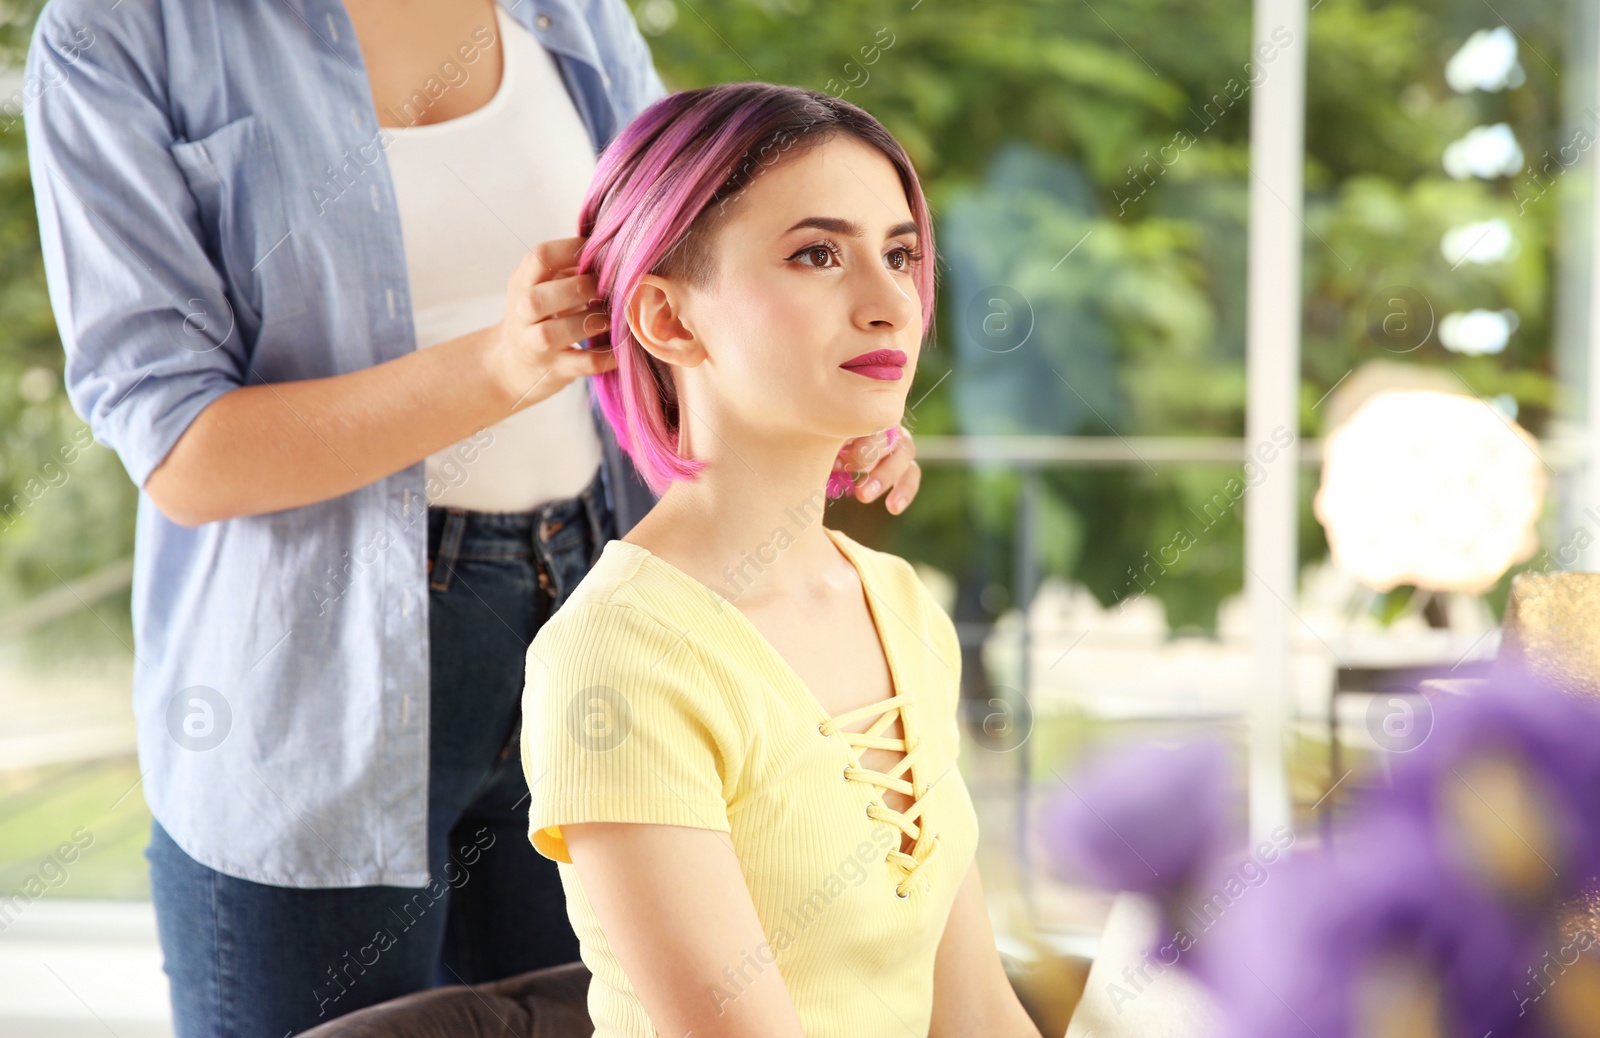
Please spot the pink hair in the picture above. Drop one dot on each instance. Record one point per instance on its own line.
(842, 482)
(662, 189)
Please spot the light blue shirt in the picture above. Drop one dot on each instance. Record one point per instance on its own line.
(215, 210)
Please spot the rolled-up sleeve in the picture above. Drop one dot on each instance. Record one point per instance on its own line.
(635, 83)
(141, 309)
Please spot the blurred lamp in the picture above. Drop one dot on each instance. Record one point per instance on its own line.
(1434, 489)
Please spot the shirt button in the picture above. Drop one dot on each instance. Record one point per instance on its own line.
(543, 21)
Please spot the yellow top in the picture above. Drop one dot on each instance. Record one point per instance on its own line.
(650, 698)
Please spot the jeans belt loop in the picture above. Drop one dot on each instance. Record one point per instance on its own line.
(444, 562)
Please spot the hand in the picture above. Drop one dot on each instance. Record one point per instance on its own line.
(888, 468)
(549, 307)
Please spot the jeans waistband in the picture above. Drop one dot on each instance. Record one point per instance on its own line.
(454, 531)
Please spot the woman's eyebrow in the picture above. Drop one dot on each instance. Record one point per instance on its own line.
(839, 225)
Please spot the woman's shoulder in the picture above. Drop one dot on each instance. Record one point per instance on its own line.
(627, 591)
(631, 635)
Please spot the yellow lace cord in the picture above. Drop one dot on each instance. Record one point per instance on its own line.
(873, 738)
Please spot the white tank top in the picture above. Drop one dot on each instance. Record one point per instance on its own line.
(475, 194)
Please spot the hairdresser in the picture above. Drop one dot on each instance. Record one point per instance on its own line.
(312, 268)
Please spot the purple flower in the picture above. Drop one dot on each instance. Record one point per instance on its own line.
(1438, 907)
(1436, 914)
(1508, 779)
(1143, 818)
(1386, 927)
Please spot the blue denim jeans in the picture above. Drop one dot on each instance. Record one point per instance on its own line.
(251, 959)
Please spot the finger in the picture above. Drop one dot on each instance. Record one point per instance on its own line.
(864, 452)
(884, 475)
(558, 333)
(550, 258)
(905, 489)
(563, 295)
(526, 299)
(574, 363)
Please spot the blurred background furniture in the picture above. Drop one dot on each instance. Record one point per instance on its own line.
(546, 1003)
(1548, 631)
(1551, 631)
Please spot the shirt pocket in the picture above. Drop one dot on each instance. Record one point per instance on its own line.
(237, 183)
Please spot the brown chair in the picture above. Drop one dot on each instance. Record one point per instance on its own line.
(1552, 630)
(1549, 631)
(546, 1003)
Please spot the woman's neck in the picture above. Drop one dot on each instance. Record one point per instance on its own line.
(753, 532)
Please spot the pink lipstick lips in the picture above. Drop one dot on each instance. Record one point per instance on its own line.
(885, 365)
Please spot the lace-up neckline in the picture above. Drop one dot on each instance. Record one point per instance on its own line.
(872, 738)
(906, 776)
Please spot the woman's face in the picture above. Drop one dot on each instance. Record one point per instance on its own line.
(813, 269)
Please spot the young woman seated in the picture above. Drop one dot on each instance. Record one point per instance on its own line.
(740, 731)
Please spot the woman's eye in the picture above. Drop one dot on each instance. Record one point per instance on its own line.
(821, 253)
(900, 258)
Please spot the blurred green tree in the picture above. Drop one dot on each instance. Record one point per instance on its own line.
(58, 519)
(1092, 159)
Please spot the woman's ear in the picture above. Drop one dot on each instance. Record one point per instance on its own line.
(655, 316)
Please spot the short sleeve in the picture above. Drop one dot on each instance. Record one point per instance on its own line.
(140, 307)
(620, 723)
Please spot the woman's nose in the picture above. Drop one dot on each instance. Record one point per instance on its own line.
(889, 299)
